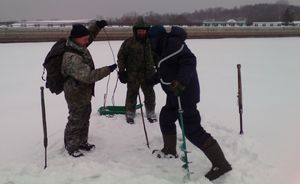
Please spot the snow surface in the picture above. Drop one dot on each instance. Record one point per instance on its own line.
(268, 152)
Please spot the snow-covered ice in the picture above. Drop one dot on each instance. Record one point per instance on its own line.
(266, 154)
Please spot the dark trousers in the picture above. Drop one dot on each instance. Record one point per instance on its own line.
(77, 128)
(194, 132)
(132, 93)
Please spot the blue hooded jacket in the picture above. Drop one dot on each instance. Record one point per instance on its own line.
(177, 62)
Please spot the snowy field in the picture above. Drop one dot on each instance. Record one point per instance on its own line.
(268, 152)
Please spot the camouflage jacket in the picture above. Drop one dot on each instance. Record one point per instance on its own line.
(79, 70)
(136, 58)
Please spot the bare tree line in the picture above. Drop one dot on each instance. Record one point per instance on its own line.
(281, 12)
(251, 13)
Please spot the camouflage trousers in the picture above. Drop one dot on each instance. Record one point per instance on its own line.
(132, 94)
(77, 128)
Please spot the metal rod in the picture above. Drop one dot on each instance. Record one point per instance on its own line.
(240, 98)
(44, 125)
(146, 135)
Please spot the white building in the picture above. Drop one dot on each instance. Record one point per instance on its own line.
(229, 23)
(49, 23)
(274, 24)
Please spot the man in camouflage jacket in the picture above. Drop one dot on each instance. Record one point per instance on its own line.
(81, 75)
(135, 62)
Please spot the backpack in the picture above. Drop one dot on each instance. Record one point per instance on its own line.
(52, 64)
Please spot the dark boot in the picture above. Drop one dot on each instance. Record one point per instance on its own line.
(87, 147)
(169, 149)
(75, 153)
(215, 154)
(130, 120)
(130, 117)
(151, 116)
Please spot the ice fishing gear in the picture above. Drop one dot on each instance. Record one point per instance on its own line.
(44, 125)
(183, 147)
(142, 113)
(240, 99)
(113, 110)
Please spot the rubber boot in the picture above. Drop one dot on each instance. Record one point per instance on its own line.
(151, 116)
(169, 149)
(215, 154)
(130, 117)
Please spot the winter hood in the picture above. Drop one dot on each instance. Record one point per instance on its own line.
(178, 32)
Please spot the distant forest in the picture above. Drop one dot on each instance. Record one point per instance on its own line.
(280, 11)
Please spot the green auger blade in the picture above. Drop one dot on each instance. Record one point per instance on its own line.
(183, 159)
(187, 162)
(185, 166)
(183, 147)
(187, 177)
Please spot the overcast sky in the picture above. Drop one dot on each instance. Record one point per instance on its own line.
(86, 9)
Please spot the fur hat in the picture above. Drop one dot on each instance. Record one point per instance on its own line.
(79, 30)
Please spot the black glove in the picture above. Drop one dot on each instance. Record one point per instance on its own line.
(153, 80)
(123, 76)
(112, 67)
(177, 88)
(101, 24)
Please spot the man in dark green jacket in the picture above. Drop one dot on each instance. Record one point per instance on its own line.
(136, 64)
(81, 75)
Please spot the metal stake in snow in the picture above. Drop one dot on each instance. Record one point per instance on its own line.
(183, 148)
(145, 130)
(44, 125)
(240, 101)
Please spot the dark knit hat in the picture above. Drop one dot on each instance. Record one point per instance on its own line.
(79, 30)
(156, 31)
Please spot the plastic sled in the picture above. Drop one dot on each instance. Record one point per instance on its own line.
(112, 110)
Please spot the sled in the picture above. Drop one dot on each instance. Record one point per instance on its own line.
(113, 110)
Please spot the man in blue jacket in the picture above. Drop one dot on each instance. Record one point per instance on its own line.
(178, 76)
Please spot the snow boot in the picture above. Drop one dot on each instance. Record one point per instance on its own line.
(151, 116)
(169, 149)
(76, 153)
(215, 154)
(130, 120)
(87, 147)
(152, 120)
(129, 117)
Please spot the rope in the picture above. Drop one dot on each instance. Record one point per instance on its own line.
(108, 41)
(115, 88)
